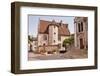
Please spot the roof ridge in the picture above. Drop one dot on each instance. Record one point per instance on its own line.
(51, 21)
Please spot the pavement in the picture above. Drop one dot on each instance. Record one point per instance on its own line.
(73, 53)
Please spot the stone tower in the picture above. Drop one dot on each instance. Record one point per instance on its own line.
(53, 33)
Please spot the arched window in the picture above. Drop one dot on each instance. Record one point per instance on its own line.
(81, 26)
(79, 30)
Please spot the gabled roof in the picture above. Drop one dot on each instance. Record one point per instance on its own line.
(43, 25)
(62, 28)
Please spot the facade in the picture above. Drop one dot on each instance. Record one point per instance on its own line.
(50, 37)
(81, 32)
(52, 34)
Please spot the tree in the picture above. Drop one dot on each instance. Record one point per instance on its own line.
(68, 42)
(71, 39)
(30, 40)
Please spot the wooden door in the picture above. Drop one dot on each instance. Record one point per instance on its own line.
(81, 44)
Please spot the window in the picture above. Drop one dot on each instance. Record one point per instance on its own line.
(54, 33)
(79, 30)
(45, 37)
(54, 41)
(43, 44)
(81, 26)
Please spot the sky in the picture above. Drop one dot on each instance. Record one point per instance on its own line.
(34, 21)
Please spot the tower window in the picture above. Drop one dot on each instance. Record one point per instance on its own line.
(54, 41)
(54, 33)
(43, 44)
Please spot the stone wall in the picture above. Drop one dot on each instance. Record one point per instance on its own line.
(81, 34)
(41, 40)
(49, 48)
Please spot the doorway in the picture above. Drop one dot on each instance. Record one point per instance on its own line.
(81, 44)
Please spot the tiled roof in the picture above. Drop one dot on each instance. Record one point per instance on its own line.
(43, 25)
(62, 29)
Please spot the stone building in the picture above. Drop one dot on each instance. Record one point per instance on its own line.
(52, 34)
(81, 32)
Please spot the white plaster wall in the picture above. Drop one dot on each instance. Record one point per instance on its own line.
(50, 35)
(41, 41)
(53, 36)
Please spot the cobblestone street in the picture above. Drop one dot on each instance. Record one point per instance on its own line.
(74, 53)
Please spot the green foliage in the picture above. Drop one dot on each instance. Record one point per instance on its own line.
(71, 39)
(30, 38)
(68, 41)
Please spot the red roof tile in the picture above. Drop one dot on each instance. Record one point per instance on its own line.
(62, 30)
